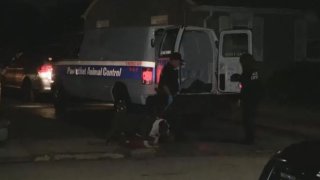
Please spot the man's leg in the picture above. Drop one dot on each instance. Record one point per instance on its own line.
(248, 118)
(173, 115)
(118, 123)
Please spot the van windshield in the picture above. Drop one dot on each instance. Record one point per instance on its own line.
(119, 44)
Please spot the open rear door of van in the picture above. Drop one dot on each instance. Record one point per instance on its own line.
(232, 44)
(197, 47)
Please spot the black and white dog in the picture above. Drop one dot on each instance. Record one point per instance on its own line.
(137, 132)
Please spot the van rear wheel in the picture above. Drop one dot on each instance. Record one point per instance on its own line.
(121, 96)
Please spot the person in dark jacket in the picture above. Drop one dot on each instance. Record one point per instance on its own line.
(168, 85)
(168, 88)
(250, 95)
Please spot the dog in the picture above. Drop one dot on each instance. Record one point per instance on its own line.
(159, 131)
(137, 132)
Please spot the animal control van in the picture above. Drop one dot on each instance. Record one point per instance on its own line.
(124, 63)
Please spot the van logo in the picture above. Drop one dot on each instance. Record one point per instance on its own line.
(94, 71)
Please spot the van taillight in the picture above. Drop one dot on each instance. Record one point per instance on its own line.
(147, 75)
(45, 71)
(240, 85)
(158, 72)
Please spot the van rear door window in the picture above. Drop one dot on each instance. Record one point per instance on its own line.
(234, 45)
(169, 41)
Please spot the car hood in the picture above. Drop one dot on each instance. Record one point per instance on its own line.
(303, 158)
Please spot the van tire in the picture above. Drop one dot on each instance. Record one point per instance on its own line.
(120, 95)
(28, 94)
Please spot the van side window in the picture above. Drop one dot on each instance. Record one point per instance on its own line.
(234, 45)
(169, 41)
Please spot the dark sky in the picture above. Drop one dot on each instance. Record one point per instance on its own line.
(25, 22)
(33, 22)
(44, 4)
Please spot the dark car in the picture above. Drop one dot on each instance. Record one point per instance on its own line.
(30, 72)
(299, 161)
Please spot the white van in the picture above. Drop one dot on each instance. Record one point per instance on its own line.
(124, 63)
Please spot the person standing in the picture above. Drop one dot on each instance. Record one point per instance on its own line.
(250, 95)
(168, 88)
(169, 85)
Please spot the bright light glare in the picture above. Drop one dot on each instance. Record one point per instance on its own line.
(45, 75)
(45, 72)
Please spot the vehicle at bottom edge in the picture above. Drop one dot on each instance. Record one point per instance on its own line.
(299, 161)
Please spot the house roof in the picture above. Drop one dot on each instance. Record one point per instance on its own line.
(305, 4)
(265, 6)
(246, 9)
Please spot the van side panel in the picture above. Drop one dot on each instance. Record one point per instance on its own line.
(95, 79)
(118, 44)
(108, 56)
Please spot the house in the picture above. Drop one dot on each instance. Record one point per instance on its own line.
(280, 36)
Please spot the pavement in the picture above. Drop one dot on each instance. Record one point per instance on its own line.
(16, 150)
(293, 119)
(296, 121)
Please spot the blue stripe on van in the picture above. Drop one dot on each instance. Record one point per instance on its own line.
(121, 72)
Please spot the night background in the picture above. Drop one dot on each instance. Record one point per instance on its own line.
(86, 114)
(29, 22)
